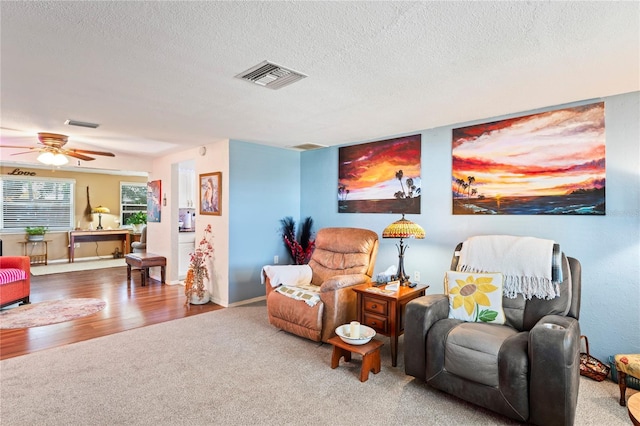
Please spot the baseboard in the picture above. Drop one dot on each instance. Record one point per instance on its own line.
(80, 259)
(246, 302)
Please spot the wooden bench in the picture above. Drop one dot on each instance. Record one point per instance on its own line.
(144, 261)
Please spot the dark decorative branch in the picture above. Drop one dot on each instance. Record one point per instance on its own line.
(300, 251)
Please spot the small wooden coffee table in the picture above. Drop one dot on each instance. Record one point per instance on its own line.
(633, 406)
(370, 355)
(144, 261)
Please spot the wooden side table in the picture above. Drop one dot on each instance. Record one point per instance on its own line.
(370, 355)
(40, 258)
(633, 406)
(384, 312)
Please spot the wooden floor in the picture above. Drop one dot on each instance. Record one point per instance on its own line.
(127, 308)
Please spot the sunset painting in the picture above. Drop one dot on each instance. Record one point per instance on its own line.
(552, 163)
(380, 177)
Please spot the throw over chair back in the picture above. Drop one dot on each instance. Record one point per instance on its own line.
(343, 258)
(523, 314)
(526, 369)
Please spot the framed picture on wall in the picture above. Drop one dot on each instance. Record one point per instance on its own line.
(154, 189)
(211, 193)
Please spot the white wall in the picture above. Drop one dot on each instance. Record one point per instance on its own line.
(162, 237)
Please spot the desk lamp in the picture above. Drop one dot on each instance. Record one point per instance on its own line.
(100, 210)
(403, 228)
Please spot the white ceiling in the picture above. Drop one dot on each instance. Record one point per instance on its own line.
(159, 76)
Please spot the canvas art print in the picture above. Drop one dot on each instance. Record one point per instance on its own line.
(552, 163)
(154, 188)
(380, 177)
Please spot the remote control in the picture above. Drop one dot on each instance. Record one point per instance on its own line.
(412, 285)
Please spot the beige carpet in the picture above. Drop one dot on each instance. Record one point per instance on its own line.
(78, 265)
(230, 367)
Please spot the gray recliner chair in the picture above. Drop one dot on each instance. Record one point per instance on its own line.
(526, 369)
(141, 246)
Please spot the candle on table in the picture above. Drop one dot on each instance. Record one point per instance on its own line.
(354, 332)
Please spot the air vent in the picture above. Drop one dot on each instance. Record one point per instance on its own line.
(308, 146)
(270, 75)
(81, 124)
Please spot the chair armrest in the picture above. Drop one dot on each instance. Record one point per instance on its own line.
(554, 356)
(342, 281)
(18, 262)
(421, 313)
(268, 287)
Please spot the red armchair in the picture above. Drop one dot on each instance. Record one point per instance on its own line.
(15, 280)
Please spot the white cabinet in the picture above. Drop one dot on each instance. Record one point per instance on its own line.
(188, 192)
(186, 246)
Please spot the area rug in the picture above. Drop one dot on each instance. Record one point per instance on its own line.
(86, 265)
(49, 312)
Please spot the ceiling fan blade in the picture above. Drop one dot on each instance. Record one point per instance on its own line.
(84, 151)
(20, 153)
(76, 155)
(16, 146)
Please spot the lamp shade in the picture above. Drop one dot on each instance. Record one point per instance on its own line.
(100, 210)
(403, 228)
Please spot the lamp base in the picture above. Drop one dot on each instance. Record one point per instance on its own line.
(99, 221)
(401, 275)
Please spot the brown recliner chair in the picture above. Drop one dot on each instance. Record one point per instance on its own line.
(526, 369)
(343, 258)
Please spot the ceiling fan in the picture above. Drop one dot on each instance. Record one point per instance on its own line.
(52, 146)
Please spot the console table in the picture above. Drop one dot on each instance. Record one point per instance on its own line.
(101, 235)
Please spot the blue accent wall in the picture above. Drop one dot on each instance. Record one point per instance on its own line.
(607, 246)
(264, 187)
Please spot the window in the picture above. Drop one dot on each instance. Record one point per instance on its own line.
(30, 201)
(133, 199)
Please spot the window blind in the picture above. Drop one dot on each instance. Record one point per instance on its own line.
(29, 201)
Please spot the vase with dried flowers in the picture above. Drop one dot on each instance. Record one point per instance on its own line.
(300, 251)
(195, 290)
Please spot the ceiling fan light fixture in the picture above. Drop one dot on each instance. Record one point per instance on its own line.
(51, 159)
(59, 160)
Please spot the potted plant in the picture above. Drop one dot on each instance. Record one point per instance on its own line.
(194, 287)
(35, 233)
(137, 219)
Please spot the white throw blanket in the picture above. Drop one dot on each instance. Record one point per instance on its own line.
(525, 263)
(289, 275)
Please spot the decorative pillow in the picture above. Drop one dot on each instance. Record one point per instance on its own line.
(475, 297)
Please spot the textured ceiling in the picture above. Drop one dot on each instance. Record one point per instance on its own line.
(159, 76)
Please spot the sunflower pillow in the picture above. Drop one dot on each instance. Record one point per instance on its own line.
(475, 297)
